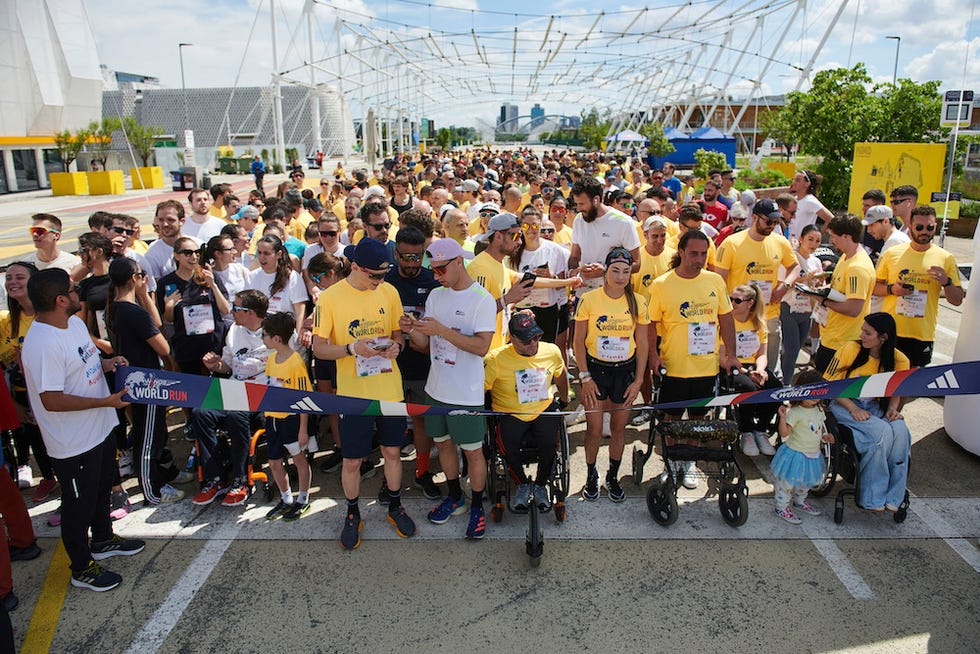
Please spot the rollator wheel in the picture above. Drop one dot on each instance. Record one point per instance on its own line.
(903, 510)
(733, 502)
(637, 465)
(535, 538)
(727, 470)
(839, 514)
(662, 503)
(268, 492)
(497, 512)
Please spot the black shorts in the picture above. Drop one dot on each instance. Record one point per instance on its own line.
(918, 352)
(677, 389)
(325, 370)
(357, 432)
(552, 320)
(612, 379)
(278, 432)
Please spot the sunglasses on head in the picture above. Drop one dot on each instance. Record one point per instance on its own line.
(188, 253)
(41, 231)
(124, 230)
(411, 257)
(925, 228)
(327, 233)
(441, 268)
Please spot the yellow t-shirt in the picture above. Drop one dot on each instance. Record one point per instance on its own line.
(915, 315)
(748, 260)
(687, 313)
(674, 239)
(289, 374)
(497, 278)
(855, 278)
(563, 236)
(11, 344)
(297, 226)
(338, 209)
(845, 356)
(343, 315)
(748, 340)
(609, 325)
(651, 267)
(140, 246)
(522, 385)
(217, 212)
(633, 190)
(475, 227)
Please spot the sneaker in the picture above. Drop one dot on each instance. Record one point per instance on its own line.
(447, 509)
(690, 480)
(641, 418)
(762, 440)
(278, 511)
(332, 462)
(404, 526)
(477, 528)
(749, 446)
(428, 485)
(295, 511)
(409, 449)
(212, 489)
(350, 535)
(809, 509)
(615, 490)
(575, 417)
(606, 425)
(25, 478)
(28, 553)
(119, 506)
(116, 546)
(54, 520)
(384, 495)
(43, 490)
(189, 435)
(183, 477)
(522, 497)
(125, 463)
(169, 494)
(590, 493)
(96, 578)
(237, 494)
(541, 497)
(787, 515)
(367, 469)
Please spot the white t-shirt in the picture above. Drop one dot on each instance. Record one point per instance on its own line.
(202, 231)
(65, 260)
(234, 278)
(245, 354)
(66, 360)
(596, 239)
(281, 302)
(807, 209)
(456, 376)
(316, 249)
(160, 256)
(557, 259)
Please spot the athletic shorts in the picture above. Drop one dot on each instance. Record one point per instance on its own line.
(414, 391)
(278, 432)
(918, 352)
(357, 434)
(465, 431)
(677, 389)
(325, 370)
(612, 379)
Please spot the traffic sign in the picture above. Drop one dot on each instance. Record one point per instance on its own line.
(957, 109)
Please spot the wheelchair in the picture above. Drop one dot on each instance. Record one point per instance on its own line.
(501, 485)
(257, 479)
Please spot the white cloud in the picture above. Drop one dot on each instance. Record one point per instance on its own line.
(945, 63)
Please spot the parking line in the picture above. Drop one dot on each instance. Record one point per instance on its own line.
(943, 529)
(47, 611)
(154, 633)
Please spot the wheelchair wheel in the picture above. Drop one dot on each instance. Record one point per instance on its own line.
(560, 511)
(535, 538)
(662, 502)
(734, 504)
(562, 472)
(637, 465)
(832, 453)
(903, 510)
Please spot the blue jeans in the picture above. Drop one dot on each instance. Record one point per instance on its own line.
(884, 448)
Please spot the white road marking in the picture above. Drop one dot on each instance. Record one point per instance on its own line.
(947, 331)
(945, 531)
(154, 633)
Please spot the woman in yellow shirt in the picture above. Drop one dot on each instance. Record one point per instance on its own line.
(880, 433)
(611, 338)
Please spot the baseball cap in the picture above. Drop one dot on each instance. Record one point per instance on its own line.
(369, 253)
(654, 220)
(446, 249)
(524, 327)
(499, 223)
(877, 213)
(471, 186)
(767, 208)
(489, 206)
(374, 191)
(248, 211)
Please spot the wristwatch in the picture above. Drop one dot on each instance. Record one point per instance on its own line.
(949, 281)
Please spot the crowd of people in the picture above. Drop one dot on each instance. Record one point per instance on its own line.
(444, 280)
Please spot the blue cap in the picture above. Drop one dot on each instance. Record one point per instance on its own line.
(369, 253)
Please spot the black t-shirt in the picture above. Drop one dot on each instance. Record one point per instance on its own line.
(413, 291)
(94, 292)
(187, 347)
(131, 327)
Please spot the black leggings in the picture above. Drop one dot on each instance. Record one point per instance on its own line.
(540, 434)
(27, 438)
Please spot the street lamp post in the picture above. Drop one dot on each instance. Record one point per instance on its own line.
(183, 85)
(898, 46)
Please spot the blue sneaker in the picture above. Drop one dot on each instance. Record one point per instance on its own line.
(478, 524)
(447, 509)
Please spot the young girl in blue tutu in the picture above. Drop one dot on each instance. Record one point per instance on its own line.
(798, 465)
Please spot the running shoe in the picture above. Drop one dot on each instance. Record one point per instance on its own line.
(350, 535)
(787, 515)
(116, 546)
(522, 497)
(808, 508)
(447, 509)
(615, 490)
(28, 553)
(404, 525)
(237, 494)
(384, 495)
(749, 446)
(295, 511)
(332, 462)
(210, 492)
(590, 493)
(575, 417)
(96, 578)
(183, 477)
(641, 418)
(541, 497)
(690, 480)
(367, 469)
(762, 441)
(43, 490)
(428, 485)
(477, 528)
(169, 494)
(119, 506)
(125, 463)
(277, 511)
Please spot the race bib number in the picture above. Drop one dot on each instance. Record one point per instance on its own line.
(539, 297)
(701, 338)
(800, 303)
(198, 319)
(766, 289)
(613, 348)
(532, 385)
(913, 305)
(370, 366)
(820, 315)
(746, 344)
(443, 351)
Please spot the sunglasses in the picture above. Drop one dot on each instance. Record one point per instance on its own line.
(536, 339)
(547, 230)
(528, 227)
(768, 221)
(317, 277)
(559, 210)
(140, 274)
(740, 300)
(326, 233)
(441, 269)
(41, 231)
(925, 228)
(627, 205)
(124, 230)
(380, 227)
(238, 309)
(515, 236)
(897, 202)
(188, 253)
(408, 256)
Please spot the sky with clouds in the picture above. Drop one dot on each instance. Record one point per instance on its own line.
(561, 54)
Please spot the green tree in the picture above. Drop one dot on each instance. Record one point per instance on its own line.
(594, 129)
(775, 125)
(101, 138)
(444, 138)
(69, 145)
(659, 145)
(141, 137)
(707, 160)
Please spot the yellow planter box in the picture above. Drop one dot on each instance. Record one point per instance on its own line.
(68, 183)
(149, 177)
(107, 182)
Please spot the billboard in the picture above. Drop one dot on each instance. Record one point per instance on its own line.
(886, 166)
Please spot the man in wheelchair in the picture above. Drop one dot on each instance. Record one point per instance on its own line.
(519, 377)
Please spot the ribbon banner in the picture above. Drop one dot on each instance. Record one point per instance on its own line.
(164, 388)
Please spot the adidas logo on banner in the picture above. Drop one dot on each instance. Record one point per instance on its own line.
(306, 404)
(946, 381)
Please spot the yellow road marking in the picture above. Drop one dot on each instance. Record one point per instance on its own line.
(47, 612)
